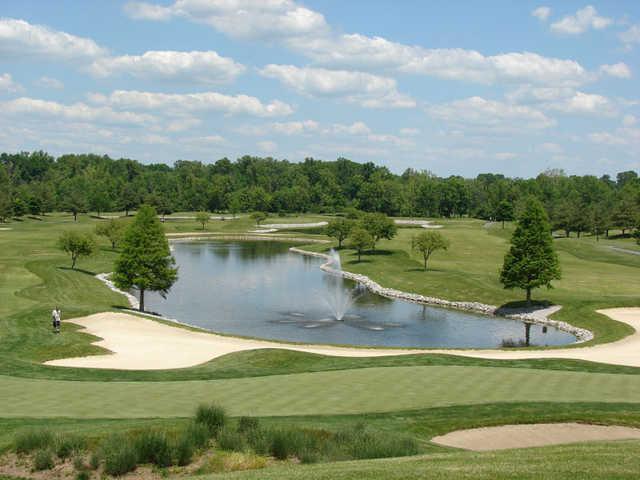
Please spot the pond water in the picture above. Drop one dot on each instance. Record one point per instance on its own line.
(260, 289)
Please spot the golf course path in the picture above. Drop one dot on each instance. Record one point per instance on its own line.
(139, 343)
(535, 435)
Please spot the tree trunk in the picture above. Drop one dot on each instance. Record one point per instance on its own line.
(527, 334)
(425, 264)
(339, 243)
(359, 253)
(75, 216)
(73, 262)
(528, 296)
(141, 300)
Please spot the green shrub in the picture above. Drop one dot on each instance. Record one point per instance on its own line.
(183, 449)
(360, 443)
(43, 460)
(213, 417)
(234, 440)
(78, 463)
(27, 441)
(94, 460)
(199, 434)
(83, 475)
(153, 447)
(120, 455)
(287, 442)
(248, 424)
(66, 444)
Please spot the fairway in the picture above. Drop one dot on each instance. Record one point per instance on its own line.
(342, 392)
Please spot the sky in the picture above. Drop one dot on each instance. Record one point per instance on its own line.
(456, 88)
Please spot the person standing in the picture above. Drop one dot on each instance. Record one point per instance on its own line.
(55, 319)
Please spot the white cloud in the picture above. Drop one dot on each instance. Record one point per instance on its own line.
(267, 146)
(360, 51)
(622, 137)
(583, 20)
(629, 120)
(8, 85)
(77, 112)
(193, 102)
(200, 67)
(549, 147)
(306, 32)
(365, 89)
(479, 112)
(204, 141)
(506, 156)
(263, 19)
(541, 13)
(48, 82)
(618, 70)
(19, 38)
(356, 128)
(295, 128)
(630, 36)
(584, 103)
(409, 132)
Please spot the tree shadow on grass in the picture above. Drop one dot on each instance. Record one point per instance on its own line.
(379, 252)
(421, 269)
(80, 270)
(356, 262)
(509, 307)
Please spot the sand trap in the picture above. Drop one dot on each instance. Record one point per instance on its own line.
(536, 435)
(622, 352)
(143, 344)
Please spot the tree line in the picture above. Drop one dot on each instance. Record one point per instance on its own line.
(35, 183)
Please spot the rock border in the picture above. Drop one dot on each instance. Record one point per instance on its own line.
(540, 317)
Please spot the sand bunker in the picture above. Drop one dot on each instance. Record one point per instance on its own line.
(142, 344)
(536, 435)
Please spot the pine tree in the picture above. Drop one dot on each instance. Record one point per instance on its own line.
(145, 262)
(531, 261)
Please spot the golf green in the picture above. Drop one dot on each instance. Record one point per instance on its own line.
(326, 393)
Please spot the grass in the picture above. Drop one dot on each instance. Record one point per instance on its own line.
(605, 461)
(334, 392)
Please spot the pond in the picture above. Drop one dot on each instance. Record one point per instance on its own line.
(260, 289)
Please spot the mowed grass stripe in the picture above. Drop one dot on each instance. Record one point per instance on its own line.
(321, 393)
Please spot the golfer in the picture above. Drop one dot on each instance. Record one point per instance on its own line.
(55, 319)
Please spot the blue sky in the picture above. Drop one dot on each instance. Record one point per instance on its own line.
(450, 87)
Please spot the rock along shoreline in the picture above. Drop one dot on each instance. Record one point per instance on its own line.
(540, 316)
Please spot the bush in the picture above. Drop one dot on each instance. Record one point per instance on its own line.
(120, 456)
(213, 417)
(94, 460)
(83, 475)
(29, 440)
(229, 439)
(67, 444)
(198, 434)
(360, 443)
(184, 450)
(248, 424)
(284, 443)
(153, 447)
(43, 460)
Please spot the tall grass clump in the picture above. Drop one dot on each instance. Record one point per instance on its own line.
(183, 450)
(230, 439)
(119, 455)
(27, 441)
(43, 460)
(359, 443)
(213, 417)
(198, 434)
(67, 444)
(152, 446)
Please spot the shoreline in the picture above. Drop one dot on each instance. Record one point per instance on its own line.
(538, 316)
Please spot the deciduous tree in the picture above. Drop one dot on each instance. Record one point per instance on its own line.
(77, 245)
(428, 242)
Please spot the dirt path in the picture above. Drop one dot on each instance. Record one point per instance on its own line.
(536, 435)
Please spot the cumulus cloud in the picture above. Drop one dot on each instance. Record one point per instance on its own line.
(584, 103)
(365, 89)
(8, 85)
(19, 38)
(541, 13)
(268, 146)
(584, 19)
(306, 32)
(200, 67)
(79, 112)
(479, 112)
(239, 18)
(193, 102)
(618, 70)
(630, 36)
(48, 82)
(621, 137)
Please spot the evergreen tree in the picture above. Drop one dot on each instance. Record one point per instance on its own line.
(531, 261)
(145, 262)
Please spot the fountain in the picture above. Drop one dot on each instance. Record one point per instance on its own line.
(338, 298)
